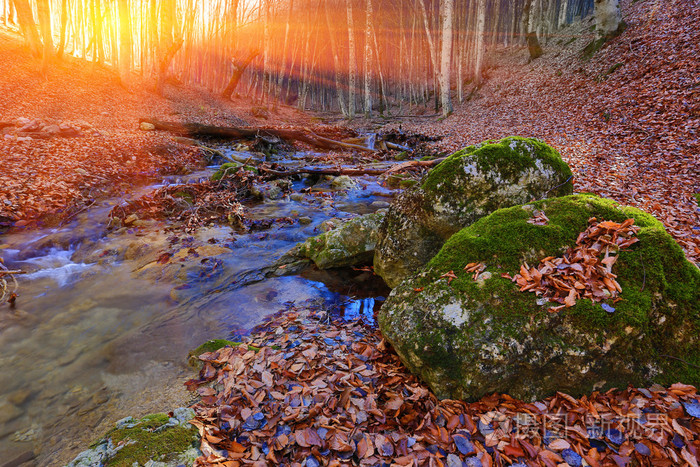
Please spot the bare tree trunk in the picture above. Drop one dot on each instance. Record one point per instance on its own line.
(533, 44)
(170, 41)
(266, 19)
(383, 102)
(607, 17)
(480, 32)
(336, 62)
(44, 14)
(351, 61)
(446, 56)
(98, 54)
(124, 40)
(431, 47)
(64, 25)
(563, 10)
(368, 59)
(27, 25)
(239, 67)
(283, 65)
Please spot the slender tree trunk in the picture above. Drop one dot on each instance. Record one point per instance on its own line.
(480, 33)
(170, 42)
(563, 10)
(266, 19)
(352, 67)
(124, 40)
(368, 59)
(64, 25)
(239, 67)
(446, 56)
(283, 62)
(98, 46)
(25, 18)
(336, 62)
(432, 48)
(533, 44)
(44, 15)
(383, 102)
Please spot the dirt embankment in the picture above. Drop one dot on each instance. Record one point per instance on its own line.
(97, 147)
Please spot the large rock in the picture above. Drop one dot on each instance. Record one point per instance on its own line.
(468, 185)
(468, 338)
(352, 243)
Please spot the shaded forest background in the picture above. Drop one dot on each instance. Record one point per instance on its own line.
(352, 56)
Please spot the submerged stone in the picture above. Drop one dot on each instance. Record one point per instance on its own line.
(468, 185)
(350, 243)
(468, 338)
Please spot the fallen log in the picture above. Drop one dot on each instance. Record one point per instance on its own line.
(353, 172)
(410, 164)
(326, 171)
(227, 132)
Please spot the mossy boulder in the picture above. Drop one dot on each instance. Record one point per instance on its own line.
(155, 440)
(351, 243)
(468, 185)
(468, 338)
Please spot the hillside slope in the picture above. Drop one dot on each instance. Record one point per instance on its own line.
(627, 120)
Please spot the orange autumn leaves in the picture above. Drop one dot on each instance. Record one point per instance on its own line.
(585, 270)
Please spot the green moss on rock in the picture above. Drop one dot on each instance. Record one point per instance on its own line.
(349, 244)
(228, 168)
(468, 185)
(469, 338)
(156, 439)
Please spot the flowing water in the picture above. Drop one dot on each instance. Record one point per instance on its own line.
(92, 342)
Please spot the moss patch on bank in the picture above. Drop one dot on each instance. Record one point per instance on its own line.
(156, 439)
(150, 438)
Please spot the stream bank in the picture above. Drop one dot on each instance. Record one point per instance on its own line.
(107, 313)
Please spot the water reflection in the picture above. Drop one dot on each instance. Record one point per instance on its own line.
(91, 342)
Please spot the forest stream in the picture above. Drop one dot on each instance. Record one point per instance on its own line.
(92, 342)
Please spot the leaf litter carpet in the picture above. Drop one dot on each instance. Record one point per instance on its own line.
(309, 391)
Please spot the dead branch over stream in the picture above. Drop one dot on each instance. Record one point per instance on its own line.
(350, 171)
(307, 136)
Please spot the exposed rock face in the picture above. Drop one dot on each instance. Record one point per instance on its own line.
(607, 17)
(351, 243)
(467, 338)
(470, 184)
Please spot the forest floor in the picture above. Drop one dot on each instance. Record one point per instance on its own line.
(57, 176)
